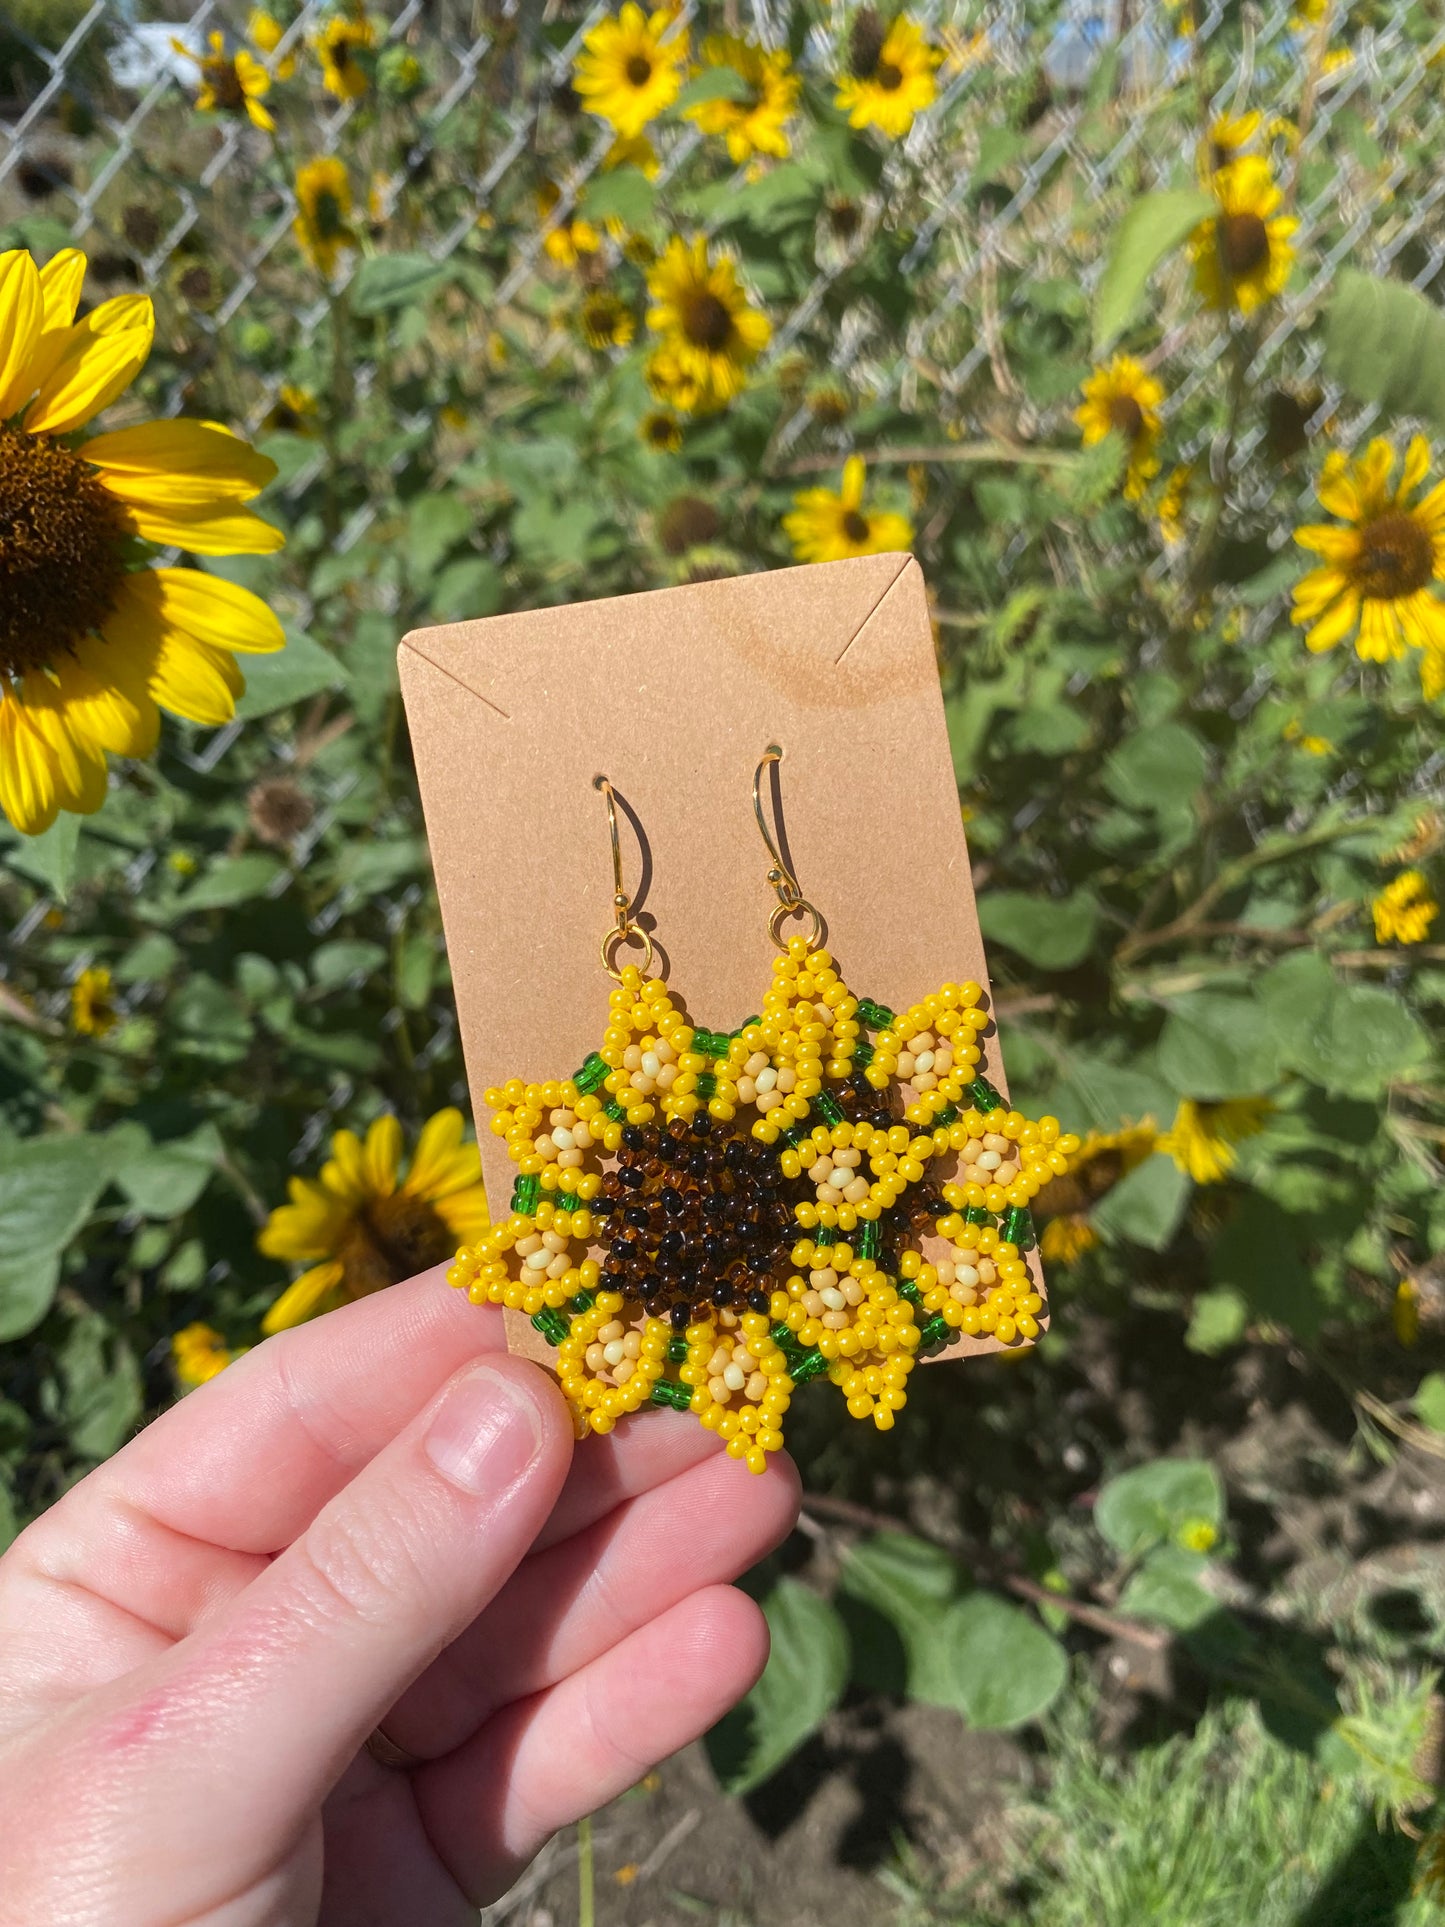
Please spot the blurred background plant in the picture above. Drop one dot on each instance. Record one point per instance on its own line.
(1128, 322)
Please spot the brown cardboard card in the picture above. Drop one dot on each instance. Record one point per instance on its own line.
(674, 695)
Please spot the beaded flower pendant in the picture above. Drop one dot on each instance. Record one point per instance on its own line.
(707, 1220)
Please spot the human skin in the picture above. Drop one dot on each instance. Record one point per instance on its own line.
(378, 1519)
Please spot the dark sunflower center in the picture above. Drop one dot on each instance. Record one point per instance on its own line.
(1243, 243)
(1127, 416)
(341, 55)
(225, 84)
(887, 76)
(1396, 557)
(60, 561)
(707, 321)
(855, 525)
(866, 43)
(391, 1239)
(326, 216)
(639, 70)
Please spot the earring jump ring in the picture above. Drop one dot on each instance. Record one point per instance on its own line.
(625, 933)
(802, 907)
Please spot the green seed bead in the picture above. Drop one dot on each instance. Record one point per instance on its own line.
(677, 1351)
(950, 1114)
(746, 1024)
(1016, 1227)
(584, 1301)
(862, 1054)
(706, 1085)
(808, 1366)
(975, 1214)
(825, 1235)
(907, 1289)
(592, 1074)
(875, 1016)
(985, 1097)
(828, 1107)
(552, 1325)
(668, 1392)
(615, 1111)
(526, 1192)
(935, 1332)
(870, 1239)
(793, 1135)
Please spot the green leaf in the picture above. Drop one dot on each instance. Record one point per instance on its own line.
(1259, 1254)
(910, 1585)
(1145, 1207)
(393, 281)
(1385, 343)
(348, 959)
(48, 1187)
(1345, 1037)
(50, 857)
(1158, 768)
(288, 676)
(625, 194)
(102, 1383)
(1053, 933)
(1006, 1668)
(435, 525)
(163, 1180)
(802, 1683)
(230, 880)
(1153, 227)
(1147, 1506)
(9, 1520)
(1429, 1400)
(1166, 1589)
(1218, 1320)
(469, 587)
(713, 83)
(1218, 1044)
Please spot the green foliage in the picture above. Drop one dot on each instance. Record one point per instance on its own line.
(1149, 232)
(1385, 343)
(802, 1682)
(1154, 1504)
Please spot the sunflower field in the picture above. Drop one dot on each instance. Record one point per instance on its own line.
(324, 321)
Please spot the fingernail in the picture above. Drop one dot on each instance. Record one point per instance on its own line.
(487, 1432)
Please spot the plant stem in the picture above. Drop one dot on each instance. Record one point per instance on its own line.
(586, 1889)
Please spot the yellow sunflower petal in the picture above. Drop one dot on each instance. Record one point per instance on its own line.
(223, 530)
(1334, 625)
(77, 762)
(381, 1155)
(96, 365)
(464, 1213)
(854, 475)
(310, 1226)
(441, 1162)
(214, 611)
(60, 283)
(1336, 489)
(179, 464)
(304, 1298)
(1430, 509)
(21, 314)
(1379, 639)
(184, 675)
(105, 694)
(27, 770)
(1316, 591)
(1329, 540)
(345, 1170)
(1417, 467)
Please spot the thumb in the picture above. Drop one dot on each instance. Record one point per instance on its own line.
(284, 1687)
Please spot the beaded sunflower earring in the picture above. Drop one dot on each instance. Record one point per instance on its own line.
(773, 1187)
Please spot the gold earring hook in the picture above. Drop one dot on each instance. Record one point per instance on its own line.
(626, 928)
(791, 901)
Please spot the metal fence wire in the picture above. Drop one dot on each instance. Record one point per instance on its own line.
(100, 139)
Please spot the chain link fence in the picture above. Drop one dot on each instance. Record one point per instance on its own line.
(1041, 112)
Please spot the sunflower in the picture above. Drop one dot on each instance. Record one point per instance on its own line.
(891, 74)
(705, 318)
(825, 527)
(755, 123)
(323, 212)
(1405, 909)
(631, 68)
(230, 83)
(199, 1353)
(569, 239)
(295, 411)
(1228, 136)
(674, 386)
(92, 1002)
(1242, 255)
(92, 638)
(343, 37)
(1377, 570)
(661, 431)
(606, 320)
(1124, 399)
(265, 31)
(1202, 1138)
(363, 1227)
(1094, 1169)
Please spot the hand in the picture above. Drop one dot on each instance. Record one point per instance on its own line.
(376, 1519)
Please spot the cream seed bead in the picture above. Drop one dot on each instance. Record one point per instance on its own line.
(614, 1353)
(596, 1358)
(612, 1329)
(747, 1089)
(757, 1062)
(766, 1079)
(988, 1160)
(526, 1246)
(994, 1142)
(720, 1392)
(735, 1378)
(833, 1298)
(554, 1241)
